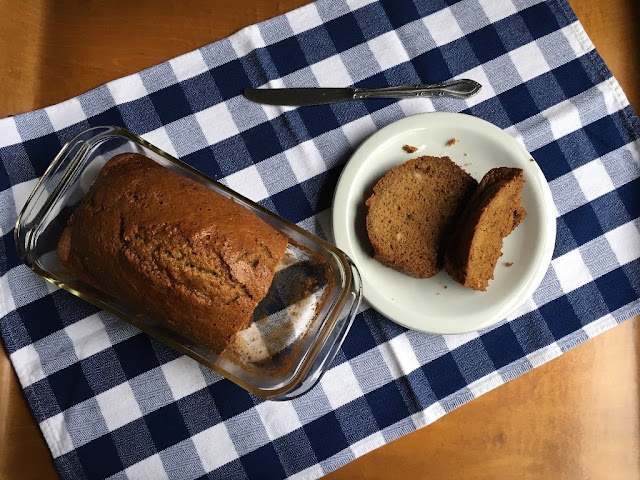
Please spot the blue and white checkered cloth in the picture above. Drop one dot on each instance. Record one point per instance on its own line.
(112, 402)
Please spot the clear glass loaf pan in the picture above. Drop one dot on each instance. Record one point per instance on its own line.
(295, 332)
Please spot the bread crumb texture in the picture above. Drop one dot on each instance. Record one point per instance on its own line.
(491, 214)
(411, 213)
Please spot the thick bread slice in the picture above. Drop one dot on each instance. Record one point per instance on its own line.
(492, 213)
(412, 210)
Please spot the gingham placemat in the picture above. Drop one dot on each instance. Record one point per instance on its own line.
(112, 402)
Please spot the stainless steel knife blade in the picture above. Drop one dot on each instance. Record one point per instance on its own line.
(463, 88)
(298, 96)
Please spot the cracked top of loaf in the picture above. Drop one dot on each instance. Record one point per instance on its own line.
(175, 249)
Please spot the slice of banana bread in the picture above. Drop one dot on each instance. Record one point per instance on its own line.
(492, 213)
(412, 210)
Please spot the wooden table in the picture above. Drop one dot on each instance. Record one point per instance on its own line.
(576, 417)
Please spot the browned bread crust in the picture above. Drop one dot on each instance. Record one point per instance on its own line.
(492, 213)
(189, 257)
(412, 210)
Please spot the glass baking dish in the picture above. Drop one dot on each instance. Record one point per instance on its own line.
(295, 332)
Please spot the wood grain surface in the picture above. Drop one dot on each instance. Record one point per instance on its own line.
(576, 417)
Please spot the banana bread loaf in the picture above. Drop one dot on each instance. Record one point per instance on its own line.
(177, 250)
(492, 213)
(412, 210)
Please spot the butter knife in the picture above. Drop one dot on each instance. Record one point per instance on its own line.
(463, 88)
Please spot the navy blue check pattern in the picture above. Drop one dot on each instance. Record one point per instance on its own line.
(114, 403)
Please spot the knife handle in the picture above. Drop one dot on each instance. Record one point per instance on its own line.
(463, 88)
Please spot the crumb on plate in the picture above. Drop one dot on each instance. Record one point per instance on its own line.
(451, 142)
(508, 264)
(409, 148)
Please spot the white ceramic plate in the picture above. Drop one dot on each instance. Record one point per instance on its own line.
(439, 304)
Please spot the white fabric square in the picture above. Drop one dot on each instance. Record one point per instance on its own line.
(88, 336)
(571, 271)
(7, 304)
(314, 471)
(454, 341)
(414, 106)
(27, 364)
(274, 83)
(595, 328)
(21, 192)
(625, 242)
(486, 92)
(9, 132)
(388, 50)
(593, 179)
(56, 434)
(563, 118)
(443, 27)
(273, 111)
(485, 384)
(556, 213)
(246, 40)
(613, 96)
(127, 89)
(279, 418)
(340, 385)
(497, 10)
(404, 359)
(160, 139)
(149, 468)
(355, 4)
(432, 413)
(214, 447)
(188, 65)
(305, 161)
(248, 182)
(359, 129)
(529, 61)
(544, 355)
(50, 286)
(577, 38)
(304, 18)
(118, 406)
(216, 123)
(65, 114)
(331, 72)
(183, 376)
(368, 444)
